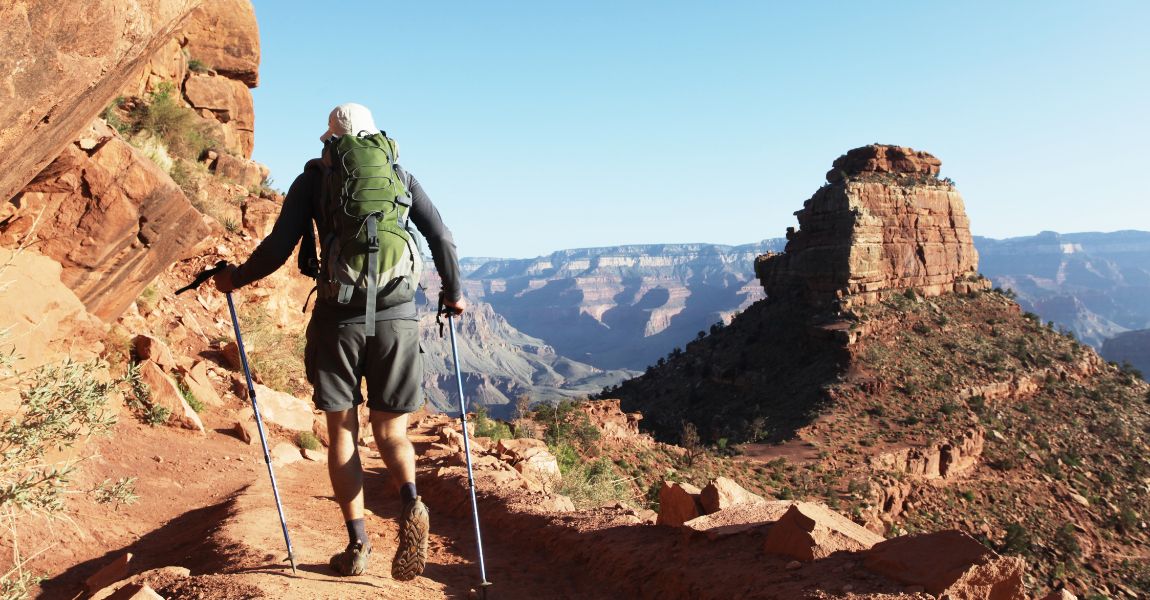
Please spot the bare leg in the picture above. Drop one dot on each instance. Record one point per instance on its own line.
(390, 430)
(343, 464)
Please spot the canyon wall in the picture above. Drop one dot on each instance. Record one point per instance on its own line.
(61, 63)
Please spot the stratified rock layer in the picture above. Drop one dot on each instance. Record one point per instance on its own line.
(111, 218)
(60, 65)
(885, 223)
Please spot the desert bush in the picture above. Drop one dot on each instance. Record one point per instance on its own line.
(60, 404)
(275, 354)
(119, 492)
(1017, 540)
(565, 423)
(307, 440)
(196, 65)
(689, 440)
(490, 428)
(185, 134)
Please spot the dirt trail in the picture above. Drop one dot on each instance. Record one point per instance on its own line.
(206, 504)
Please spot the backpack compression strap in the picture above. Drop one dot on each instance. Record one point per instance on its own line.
(372, 274)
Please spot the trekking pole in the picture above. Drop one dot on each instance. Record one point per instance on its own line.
(201, 278)
(484, 584)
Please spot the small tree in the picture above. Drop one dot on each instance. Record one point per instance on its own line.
(689, 440)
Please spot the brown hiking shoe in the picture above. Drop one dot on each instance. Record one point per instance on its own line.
(411, 555)
(352, 561)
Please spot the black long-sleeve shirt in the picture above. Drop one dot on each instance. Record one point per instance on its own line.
(300, 208)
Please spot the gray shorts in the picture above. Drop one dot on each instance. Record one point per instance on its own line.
(338, 357)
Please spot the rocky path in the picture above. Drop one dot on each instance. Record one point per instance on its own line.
(206, 505)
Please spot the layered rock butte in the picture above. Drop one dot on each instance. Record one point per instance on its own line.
(883, 373)
(884, 223)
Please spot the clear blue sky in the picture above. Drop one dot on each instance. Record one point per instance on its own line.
(539, 126)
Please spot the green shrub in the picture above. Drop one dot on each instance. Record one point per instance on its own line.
(488, 427)
(197, 66)
(185, 134)
(1016, 541)
(307, 440)
(60, 404)
(119, 492)
(189, 398)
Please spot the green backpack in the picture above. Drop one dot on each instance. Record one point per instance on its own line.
(369, 257)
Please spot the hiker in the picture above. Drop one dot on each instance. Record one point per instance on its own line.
(355, 334)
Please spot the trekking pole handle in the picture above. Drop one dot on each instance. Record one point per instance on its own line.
(203, 276)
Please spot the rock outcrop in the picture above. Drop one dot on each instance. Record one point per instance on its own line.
(885, 223)
(60, 65)
(110, 216)
(949, 562)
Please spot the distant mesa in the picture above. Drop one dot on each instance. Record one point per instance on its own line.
(884, 223)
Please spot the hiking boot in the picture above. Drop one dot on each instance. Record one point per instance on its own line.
(352, 561)
(411, 555)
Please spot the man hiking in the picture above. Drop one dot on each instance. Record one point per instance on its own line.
(364, 324)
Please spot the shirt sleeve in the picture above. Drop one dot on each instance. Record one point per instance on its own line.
(439, 240)
(295, 216)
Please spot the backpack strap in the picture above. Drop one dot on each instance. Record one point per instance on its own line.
(372, 273)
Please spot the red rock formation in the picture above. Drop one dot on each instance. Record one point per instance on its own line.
(111, 217)
(810, 531)
(224, 36)
(60, 65)
(885, 223)
(950, 562)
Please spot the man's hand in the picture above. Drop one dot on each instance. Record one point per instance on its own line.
(455, 307)
(225, 280)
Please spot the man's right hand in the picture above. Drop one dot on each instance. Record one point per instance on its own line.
(225, 279)
(455, 307)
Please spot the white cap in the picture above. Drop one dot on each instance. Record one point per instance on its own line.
(349, 118)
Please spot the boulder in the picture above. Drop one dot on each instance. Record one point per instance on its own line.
(163, 392)
(541, 466)
(678, 503)
(240, 170)
(247, 431)
(284, 410)
(154, 349)
(45, 319)
(154, 578)
(109, 573)
(259, 216)
(228, 103)
(724, 493)
(112, 218)
(1060, 595)
(740, 518)
(200, 385)
(136, 591)
(810, 531)
(938, 561)
(285, 453)
(61, 63)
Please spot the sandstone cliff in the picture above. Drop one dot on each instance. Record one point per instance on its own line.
(60, 65)
(884, 223)
(106, 207)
